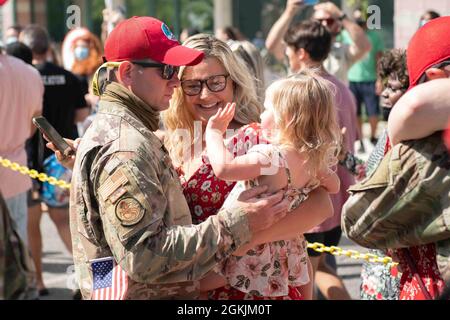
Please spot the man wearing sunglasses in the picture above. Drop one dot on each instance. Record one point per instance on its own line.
(128, 212)
(342, 56)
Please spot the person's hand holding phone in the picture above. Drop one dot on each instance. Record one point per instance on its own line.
(67, 162)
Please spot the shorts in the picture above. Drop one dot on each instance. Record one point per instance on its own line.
(34, 197)
(364, 92)
(328, 238)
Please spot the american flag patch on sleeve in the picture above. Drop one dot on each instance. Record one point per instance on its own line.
(110, 281)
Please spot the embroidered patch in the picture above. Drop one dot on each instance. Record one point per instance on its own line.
(165, 29)
(117, 194)
(129, 211)
(114, 182)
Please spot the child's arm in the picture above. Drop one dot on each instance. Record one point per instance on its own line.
(329, 180)
(224, 164)
(212, 281)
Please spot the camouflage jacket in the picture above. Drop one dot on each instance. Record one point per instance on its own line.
(17, 273)
(127, 202)
(405, 202)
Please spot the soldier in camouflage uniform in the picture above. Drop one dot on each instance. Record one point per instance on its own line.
(126, 199)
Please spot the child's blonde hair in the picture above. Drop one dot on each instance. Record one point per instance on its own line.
(305, 117)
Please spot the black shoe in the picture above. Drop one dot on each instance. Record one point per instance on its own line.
(43, 292)
(77, 295)
(374, 141)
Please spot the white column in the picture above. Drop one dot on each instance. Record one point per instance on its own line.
(223, 13)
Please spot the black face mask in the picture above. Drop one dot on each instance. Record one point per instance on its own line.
(386, 112)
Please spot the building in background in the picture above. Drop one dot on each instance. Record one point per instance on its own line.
(399, 18)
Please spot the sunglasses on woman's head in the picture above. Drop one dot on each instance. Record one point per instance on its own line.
(214, 84)
(167, 70)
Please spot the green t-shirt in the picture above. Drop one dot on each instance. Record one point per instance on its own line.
(365, 69)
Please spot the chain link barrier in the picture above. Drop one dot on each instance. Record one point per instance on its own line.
(318, 247)
(353, 254)
(33, 173)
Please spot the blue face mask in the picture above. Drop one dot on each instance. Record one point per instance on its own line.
(10, 40)
(81, 53)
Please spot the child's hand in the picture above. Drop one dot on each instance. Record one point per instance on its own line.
(222, 118)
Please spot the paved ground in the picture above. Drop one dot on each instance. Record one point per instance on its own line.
(57, 263)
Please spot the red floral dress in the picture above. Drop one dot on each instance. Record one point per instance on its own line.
(205, 195)
(424, 257)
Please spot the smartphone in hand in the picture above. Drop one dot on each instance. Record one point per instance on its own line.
(50, 132)
(310, 2)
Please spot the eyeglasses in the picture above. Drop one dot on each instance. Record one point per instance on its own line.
(167, 70)
(214, 83)
(329, 21)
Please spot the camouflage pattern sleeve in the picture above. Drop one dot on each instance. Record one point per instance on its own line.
(148, 226)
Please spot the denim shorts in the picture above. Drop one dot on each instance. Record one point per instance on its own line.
(364, 92)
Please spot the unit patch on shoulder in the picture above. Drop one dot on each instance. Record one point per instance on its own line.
(129, 211)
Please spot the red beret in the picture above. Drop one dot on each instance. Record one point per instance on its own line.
(430, 45)
(147, 38)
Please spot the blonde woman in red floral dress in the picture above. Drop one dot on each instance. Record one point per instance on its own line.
(221, 78)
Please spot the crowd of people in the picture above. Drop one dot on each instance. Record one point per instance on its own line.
(197, 177)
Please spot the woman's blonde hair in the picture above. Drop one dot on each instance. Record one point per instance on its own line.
(178, 116)
(305, 117)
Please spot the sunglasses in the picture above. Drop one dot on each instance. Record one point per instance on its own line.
(329, 21)
(214, 84)
(167, 70)
(440, 65)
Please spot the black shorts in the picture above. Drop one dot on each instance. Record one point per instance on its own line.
(328, 238)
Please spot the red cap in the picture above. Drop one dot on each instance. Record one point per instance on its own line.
(2, 2)
(430, 45)
(144, 38)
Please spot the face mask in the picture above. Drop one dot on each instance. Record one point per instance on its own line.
(11, 40)
(81, 53)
